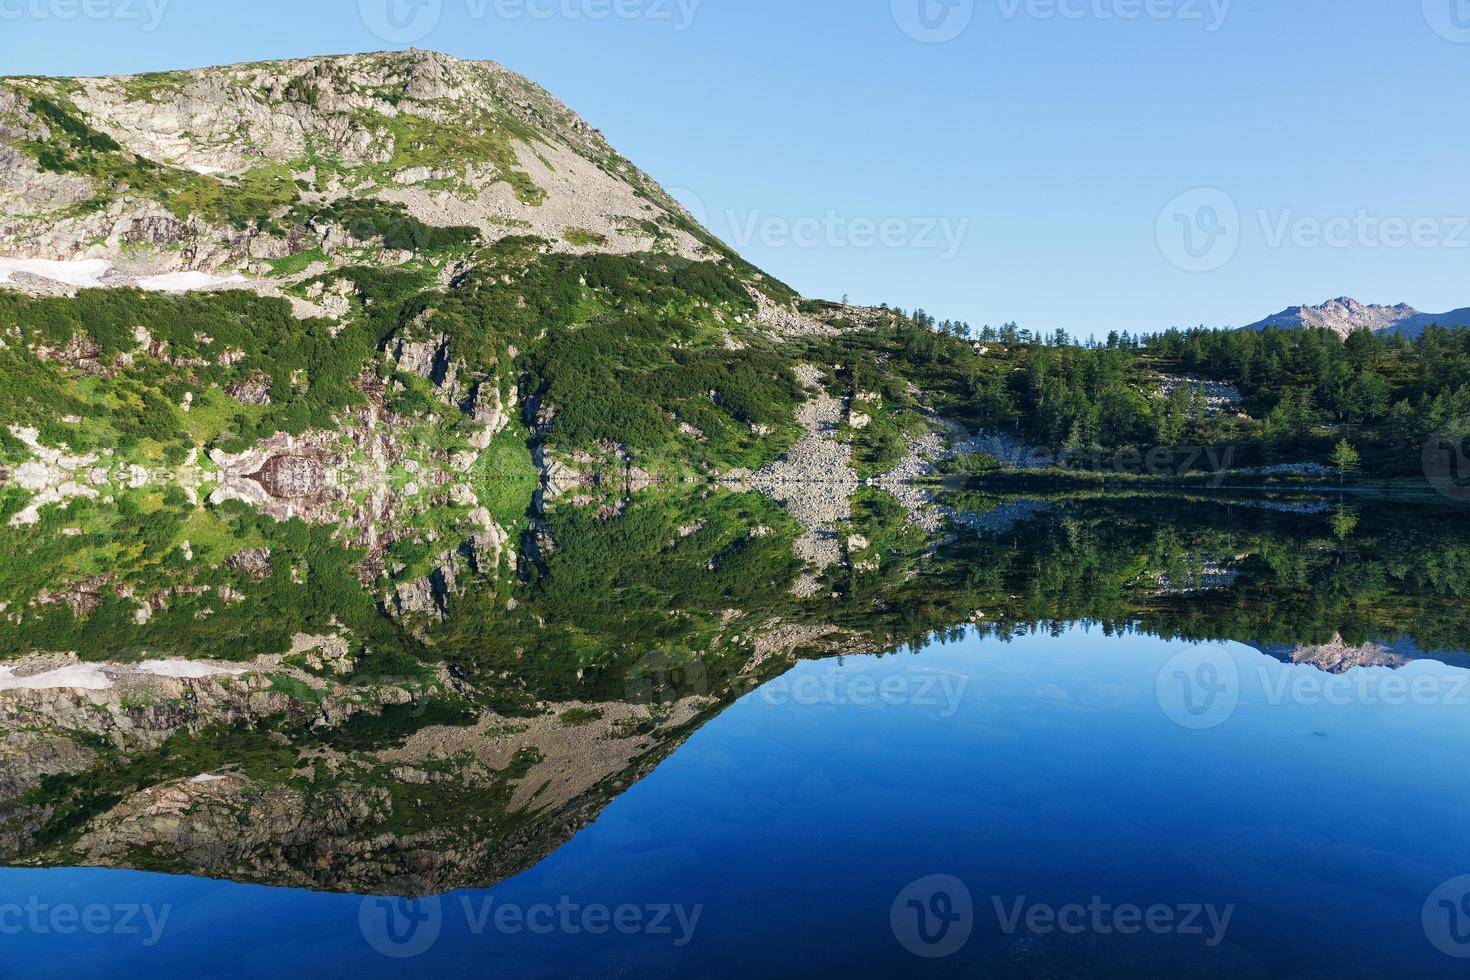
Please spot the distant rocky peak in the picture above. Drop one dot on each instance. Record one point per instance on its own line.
(1344, 315)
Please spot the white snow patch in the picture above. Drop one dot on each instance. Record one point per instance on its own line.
(186, 669)
(102, 677)
(81, 272)
(206, 169)
(91, 273)
(207, 777)
(183, 282)
(81, 677)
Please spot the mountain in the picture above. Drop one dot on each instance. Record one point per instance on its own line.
(1344, 315)
(221, 168)
(358, 289)
(356, 247)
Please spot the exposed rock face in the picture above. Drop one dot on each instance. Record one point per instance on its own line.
(402, 831)
(430, 595)
(254, 390)
(814, 480)
(1344, 315)
(55, 476)
(1218, 397)
(255, 562)
(1338, 657)
(491, 410)
(786, 320)
(291, 477)
(428, 359)
(284, 476)
(525, 163)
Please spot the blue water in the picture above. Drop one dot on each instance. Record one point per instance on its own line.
(1049, 771)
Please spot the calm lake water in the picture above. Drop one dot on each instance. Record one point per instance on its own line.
(1071, 734)
(1063, 803)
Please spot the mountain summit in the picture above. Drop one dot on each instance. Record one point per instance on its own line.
(1344, 315)
(202, 169)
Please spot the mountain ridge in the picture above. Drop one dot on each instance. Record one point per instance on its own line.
(1344, 315)
(200, 169)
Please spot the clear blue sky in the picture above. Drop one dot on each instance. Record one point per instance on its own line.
(1045, 139)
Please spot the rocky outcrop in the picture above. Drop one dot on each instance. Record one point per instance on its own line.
(254, 390)
(785, 320)
(1344, 315)
(284, 476)
(55, 475)
(525, 165)
(813, 481)
(254, 562)
(1338, 657)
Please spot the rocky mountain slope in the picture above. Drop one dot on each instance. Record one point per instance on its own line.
(441, 254)
(1344, 315)
(227, 168)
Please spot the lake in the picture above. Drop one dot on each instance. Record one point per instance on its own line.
(1084, 735)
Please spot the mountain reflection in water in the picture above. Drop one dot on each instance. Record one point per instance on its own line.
(254, 706)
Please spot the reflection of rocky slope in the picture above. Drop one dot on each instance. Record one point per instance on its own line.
(813, 481)
(1339, 657)
(275, 776)
(412, 751)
